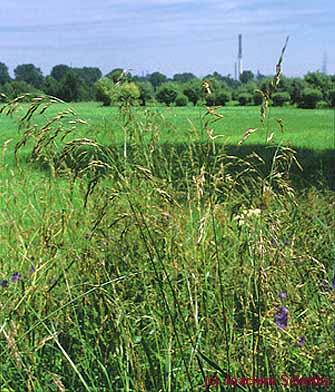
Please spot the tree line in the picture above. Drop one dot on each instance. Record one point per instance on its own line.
(314, 90)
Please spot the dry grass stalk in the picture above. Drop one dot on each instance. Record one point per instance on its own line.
(246, 135)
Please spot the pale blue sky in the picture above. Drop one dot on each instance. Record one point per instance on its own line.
(168, 35)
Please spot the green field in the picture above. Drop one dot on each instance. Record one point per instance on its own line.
(184, 258)
(312, 129)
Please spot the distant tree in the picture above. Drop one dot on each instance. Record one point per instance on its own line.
(248, 87)
(284, 84)
(181, 100)
(215, 75)
(119, 75)
(146, 92)
(4, 74)
(280, 98)
(117, 93)
(183, 77)
(127, 92)
(246, 76)
(295, 89)
(89, 75)
(230, 82)
(259, 76)
(210, 96)
(105, 91)
(331, 96)
(310, 98)
(222, 97)
(257, 97)
(51, 86)
(86, 92)
(264, 84)
(192, 90)
(245, 99)
(30, 74)
(167, 93)
(157, 79)
(319, 81)
(69, 87)
(58, 71)
(214, 84)
(15, 88)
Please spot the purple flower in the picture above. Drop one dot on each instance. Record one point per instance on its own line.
(333, 284)
(32, 269)
(281, 317)
(4, 283)
(282, 295)
(16, 277)
(301, 340)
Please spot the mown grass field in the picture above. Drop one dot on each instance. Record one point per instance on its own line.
(185, 259)
(313, 129)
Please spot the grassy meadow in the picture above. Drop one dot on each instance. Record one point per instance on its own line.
(141, 252)
(311, 129)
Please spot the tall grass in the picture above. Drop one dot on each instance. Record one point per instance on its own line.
(151, 267)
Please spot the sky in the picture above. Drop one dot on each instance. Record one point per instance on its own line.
(170, 36)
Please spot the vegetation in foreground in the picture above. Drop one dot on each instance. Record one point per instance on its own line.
(145, 268)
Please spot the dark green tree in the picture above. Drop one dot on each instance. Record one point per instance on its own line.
(69, 87)
(167, 93)
(183, 77)
(331, 96)
(319, 81)
(296, 88)
(146, 92)
(119, 75)
(245, 99)
(246, 76)
(181, 100)
(30, 74)
(58, 71)
(89, 75)
(192, 90)
(16, 88)
(4, 74)
(51, 86)
(104, 91)
(310, 98)
(280, 98)
(222, 97)
(157, 79)
(257, 97)
(230, 82)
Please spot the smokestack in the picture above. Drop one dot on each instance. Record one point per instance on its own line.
(239, 57)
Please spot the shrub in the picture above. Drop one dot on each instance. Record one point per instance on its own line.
(257, 97)
(232, 103)
(104, 93)
(211, 100)
(310, 98)
(16, 88)
(244, 99)
(181, 100)
(331, 96)
(127, 92)
(322, 105)
(167, 93)
(192, 90)
(223, 97)
(280, 99)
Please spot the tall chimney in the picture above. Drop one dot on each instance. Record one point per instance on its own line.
(240, 66)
